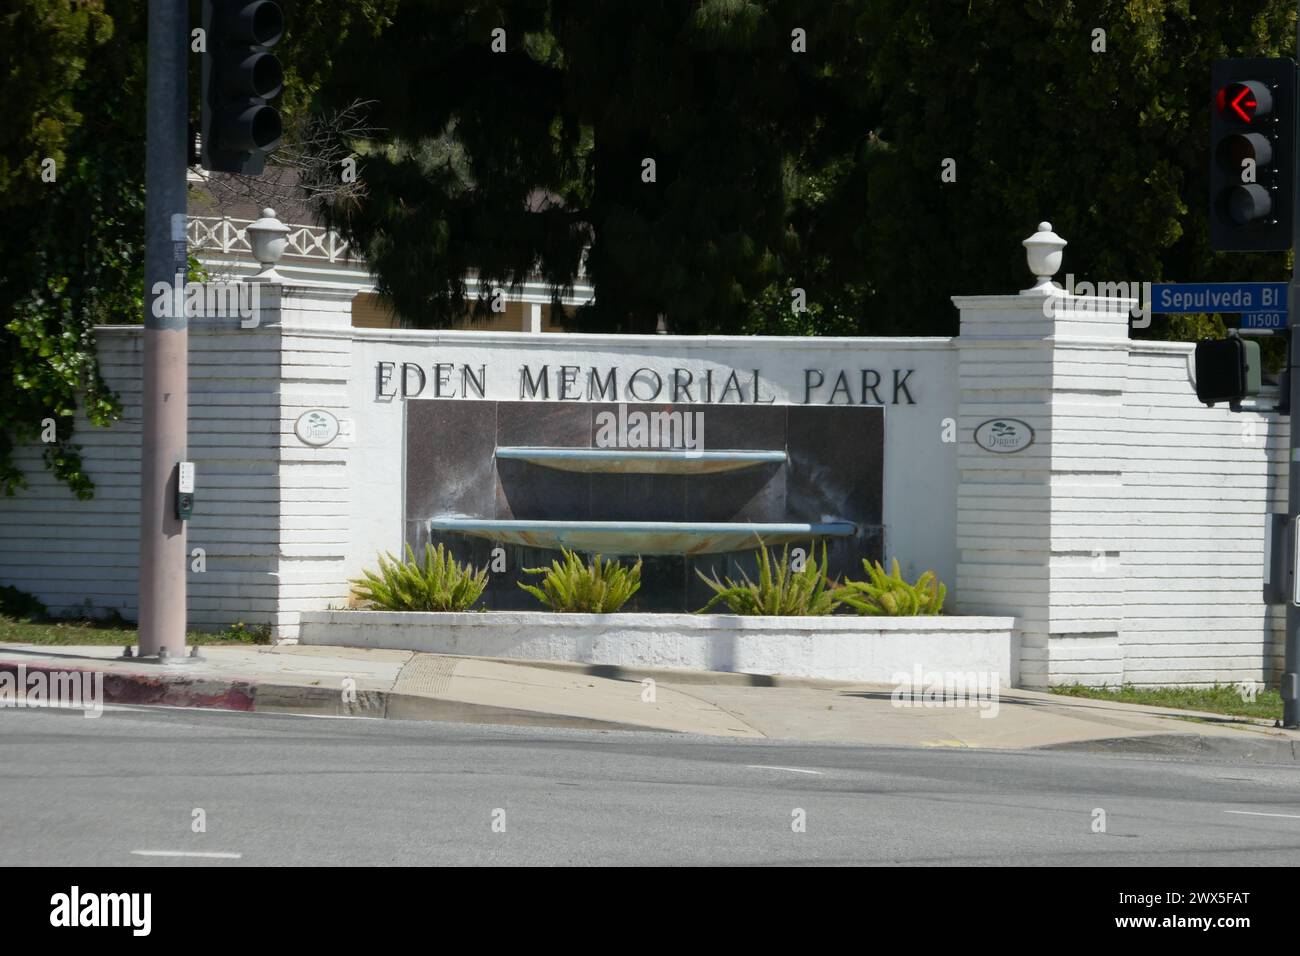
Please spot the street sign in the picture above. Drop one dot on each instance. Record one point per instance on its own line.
(1263, 320)
(1190, 297)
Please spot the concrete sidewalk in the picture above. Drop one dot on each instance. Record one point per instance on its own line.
(405, 684)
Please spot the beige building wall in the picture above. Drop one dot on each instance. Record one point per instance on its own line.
(369, 311)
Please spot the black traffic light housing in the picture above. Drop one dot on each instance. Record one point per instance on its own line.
(1227, 370)
(1252, 154)
(240, 76)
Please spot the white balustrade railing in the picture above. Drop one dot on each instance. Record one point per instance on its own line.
(228, 236)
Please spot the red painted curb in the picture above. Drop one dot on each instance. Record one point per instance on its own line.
(170, 690)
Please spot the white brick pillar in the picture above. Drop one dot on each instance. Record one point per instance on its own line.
(271, 508)
(1035, 527)
(315, 480)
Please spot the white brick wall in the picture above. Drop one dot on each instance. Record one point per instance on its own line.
(1198, 489)
(68, 552)
(271, 513)
(1127, 539)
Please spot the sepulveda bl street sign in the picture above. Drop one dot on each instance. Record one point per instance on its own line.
(1262, 305)
(1244, 297)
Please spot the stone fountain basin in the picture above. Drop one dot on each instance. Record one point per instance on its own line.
(643, 537)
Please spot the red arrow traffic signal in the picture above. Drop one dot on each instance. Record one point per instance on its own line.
(1252, 148)
(1244, 102)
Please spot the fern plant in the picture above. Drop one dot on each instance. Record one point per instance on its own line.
(891, 594)
(440, 583)
(779, 590)
(574, 586)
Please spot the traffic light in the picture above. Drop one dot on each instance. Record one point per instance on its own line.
(1227, 370)
(1252, 152)
(239, 77)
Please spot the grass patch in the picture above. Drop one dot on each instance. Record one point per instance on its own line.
(64, 633)
(1219, 699)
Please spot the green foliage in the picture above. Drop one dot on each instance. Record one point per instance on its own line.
(242, 633)
(543, 153)
(1111, 147)
(73, 248)
(779, 170)
(1218, 699)
(70, 245)
(889, 594)
(779, 590)
(45, 46)
(575, 586)
(20, 605)
(775, 170)
(441, 583)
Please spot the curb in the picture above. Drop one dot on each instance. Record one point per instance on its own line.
(177, 689)
(171, 690)
(387, 705)
(669, 675)
(249, 696)
(1265, 750)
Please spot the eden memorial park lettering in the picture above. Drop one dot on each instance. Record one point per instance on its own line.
(576, 383)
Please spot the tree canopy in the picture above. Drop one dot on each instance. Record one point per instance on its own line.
(72, 197)
(518, 132)
(661, 138)
(795, 147)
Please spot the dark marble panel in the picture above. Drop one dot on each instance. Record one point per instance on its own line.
(638, 497)
(449, 458)
(836, 467)
(749, 427)
(557, 424)
(664, 426)
(835, 471)
(503, 589)
(526, 490)
(662, 584)
(753, 494)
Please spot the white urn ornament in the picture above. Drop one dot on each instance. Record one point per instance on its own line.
(1044, 250)
(268, 237)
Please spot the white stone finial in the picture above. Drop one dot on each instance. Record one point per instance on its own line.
(1044, 251)
(269, 237)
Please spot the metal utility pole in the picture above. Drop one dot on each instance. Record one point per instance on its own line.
(166, 338)
(1291, 669)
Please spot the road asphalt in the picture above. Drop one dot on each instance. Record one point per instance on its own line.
(128, 787)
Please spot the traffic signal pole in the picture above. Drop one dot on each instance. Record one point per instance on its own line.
(1291, 667)
(166, 336)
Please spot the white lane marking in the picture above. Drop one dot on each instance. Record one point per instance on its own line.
(756, 766)
(205, 856)
(1251, 813)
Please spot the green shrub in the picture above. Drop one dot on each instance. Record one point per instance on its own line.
(779, 591)
(573, 586)
(247, 633)
(21, 606)
(891, 595)
(441, 583)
